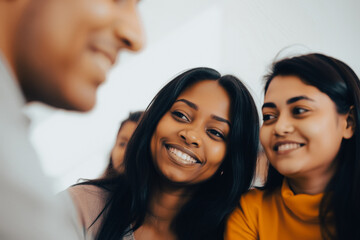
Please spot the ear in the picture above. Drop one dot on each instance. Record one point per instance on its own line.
(350, 124)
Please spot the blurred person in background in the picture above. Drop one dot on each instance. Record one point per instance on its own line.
(57, 52)
(126, 130)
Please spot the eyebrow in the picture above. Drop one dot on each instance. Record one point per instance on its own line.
(268, 105)
(194, 106)
(289, 101)
(190, 104)
(220, 119)
(298, 98)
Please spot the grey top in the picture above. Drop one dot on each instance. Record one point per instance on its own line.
(28, 209)
(90, 200)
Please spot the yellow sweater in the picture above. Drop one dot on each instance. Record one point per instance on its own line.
(281, 215)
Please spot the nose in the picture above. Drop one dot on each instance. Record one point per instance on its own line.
(283, 126)
(128, 27)
(190, 137)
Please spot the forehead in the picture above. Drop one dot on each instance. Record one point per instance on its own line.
(282, 88)
(208, 95)
(127, 128)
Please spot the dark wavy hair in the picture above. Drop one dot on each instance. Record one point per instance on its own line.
(110, 172)
(340, 206)
(205, 214)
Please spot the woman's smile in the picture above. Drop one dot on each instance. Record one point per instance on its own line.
(182, 155)
(190, 141)
(285, 147)
(302, 131)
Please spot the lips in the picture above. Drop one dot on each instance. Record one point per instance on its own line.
(108, 50)
(104, 55)
(102, 61)
(283, 147)
(182, 155)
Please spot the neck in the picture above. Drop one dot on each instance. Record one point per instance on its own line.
(313, 183)
(166, 202)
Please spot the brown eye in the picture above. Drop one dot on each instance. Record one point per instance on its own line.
(179, 115)
(267, 117)
(216, 133)
(299, 110)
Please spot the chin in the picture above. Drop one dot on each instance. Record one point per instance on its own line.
(172, 179)
(79, 106)
(82, 101)
(289, 172)
(85, 107)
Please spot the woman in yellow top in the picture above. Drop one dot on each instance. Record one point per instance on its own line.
(311, 136)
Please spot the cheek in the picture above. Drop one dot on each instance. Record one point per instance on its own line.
(216, 154)
(163, 130)
(153, 146)
(265, 136)
(99, 13)
(321, 132)
(325, 139)
(118, 155)
(82, 22)
(50, 41)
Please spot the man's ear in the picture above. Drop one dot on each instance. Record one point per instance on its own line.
(350, 124)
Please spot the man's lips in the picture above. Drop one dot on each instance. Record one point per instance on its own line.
(108, 50)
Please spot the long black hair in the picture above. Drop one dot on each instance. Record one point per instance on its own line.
(205, 214)
(340, 206)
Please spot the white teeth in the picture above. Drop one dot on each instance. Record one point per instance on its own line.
(186, 158)
(288, 146)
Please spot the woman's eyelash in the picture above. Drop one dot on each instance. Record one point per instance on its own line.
(216, 133)
(180, 115)
(212, 132)
(267, 117)
(299, 110)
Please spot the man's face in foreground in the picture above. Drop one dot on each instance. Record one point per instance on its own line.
(63, 48)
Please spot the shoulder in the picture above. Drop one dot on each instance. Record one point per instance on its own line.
(253, 195)
(83, 192)
(257, 200)
(243, 222)
(89, 201)
(250, 203)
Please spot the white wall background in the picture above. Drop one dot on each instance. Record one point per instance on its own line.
(240, 37)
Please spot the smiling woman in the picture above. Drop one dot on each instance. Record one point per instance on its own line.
(192, 136)
(310, 135)
(187, 164)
